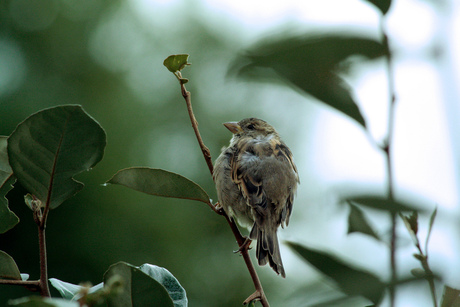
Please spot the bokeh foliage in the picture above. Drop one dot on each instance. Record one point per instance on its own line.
(99, 55)
(56, 60)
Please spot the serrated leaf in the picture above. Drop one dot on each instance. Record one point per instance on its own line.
(310, 64)
(51, 146)
(35, 301)
(160, 183)
(450, 297)
(350, 280)
(7, 217)
(381, 203)
(8, 268)
(176, 62)
(138, 288)
(357, 222)
(382, 5)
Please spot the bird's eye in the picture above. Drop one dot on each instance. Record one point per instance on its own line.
(251, 127)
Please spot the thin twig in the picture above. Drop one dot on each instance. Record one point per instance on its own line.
(40, 219)
(429, 276)
(206, 153)
(243, 247)
(40, 285)
(387, 148)
(32, 285)
(44, 289)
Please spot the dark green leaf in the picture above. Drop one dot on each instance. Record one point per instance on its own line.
(8, 268)
(159, 182)
(310, 64)
(176, 62)
(50, 147)
(411, 223)
(419, 257)
(171, 284)
(357, 222)
(382, 5)
(138, 288)
(7, 218)
(381, 203)
(450, 297)
(350, 280)
(35, 301)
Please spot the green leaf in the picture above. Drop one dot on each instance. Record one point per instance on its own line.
(7, 218)
(357, 222)
(35, 301)
(310, 64)
(67, 290)
(450, 297)
(350, 280)
(138, 289)
(430, 227)
(411, 224)
(417, 272)
(48, 148)
(160, 183)
(172, 285)
(8, 268)
(70, 291)
(176, 62)
(381, 203)
(382, 5)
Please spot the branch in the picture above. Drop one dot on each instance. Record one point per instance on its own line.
(243, 243)
(32, 285)
(387, 148)
(40, 219)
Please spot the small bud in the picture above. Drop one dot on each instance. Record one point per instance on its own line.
(418, 272)
(419, 257)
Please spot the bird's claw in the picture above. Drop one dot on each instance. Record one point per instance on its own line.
(245, 246)
(218, 208)
(256, 296)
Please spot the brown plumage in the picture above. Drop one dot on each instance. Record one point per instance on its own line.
(256, 180)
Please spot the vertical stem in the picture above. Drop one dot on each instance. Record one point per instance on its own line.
(44, 289)
(387, 148)
(242, 244)
(40, 220)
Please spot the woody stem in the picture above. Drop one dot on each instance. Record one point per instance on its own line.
(259, 294)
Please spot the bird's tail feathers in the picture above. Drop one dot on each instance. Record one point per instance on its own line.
(268, 250)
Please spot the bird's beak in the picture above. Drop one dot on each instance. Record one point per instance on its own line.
(233, 127)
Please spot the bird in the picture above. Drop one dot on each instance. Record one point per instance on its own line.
(256, 181)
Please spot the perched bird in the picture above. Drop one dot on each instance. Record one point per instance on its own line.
(256, 180)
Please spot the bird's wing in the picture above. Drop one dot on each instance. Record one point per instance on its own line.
(249, 166)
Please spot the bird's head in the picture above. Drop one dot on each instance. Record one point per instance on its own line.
(250, 127)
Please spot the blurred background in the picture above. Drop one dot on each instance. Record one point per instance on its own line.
(108, 57)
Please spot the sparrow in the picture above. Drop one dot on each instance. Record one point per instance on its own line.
(256, 180)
